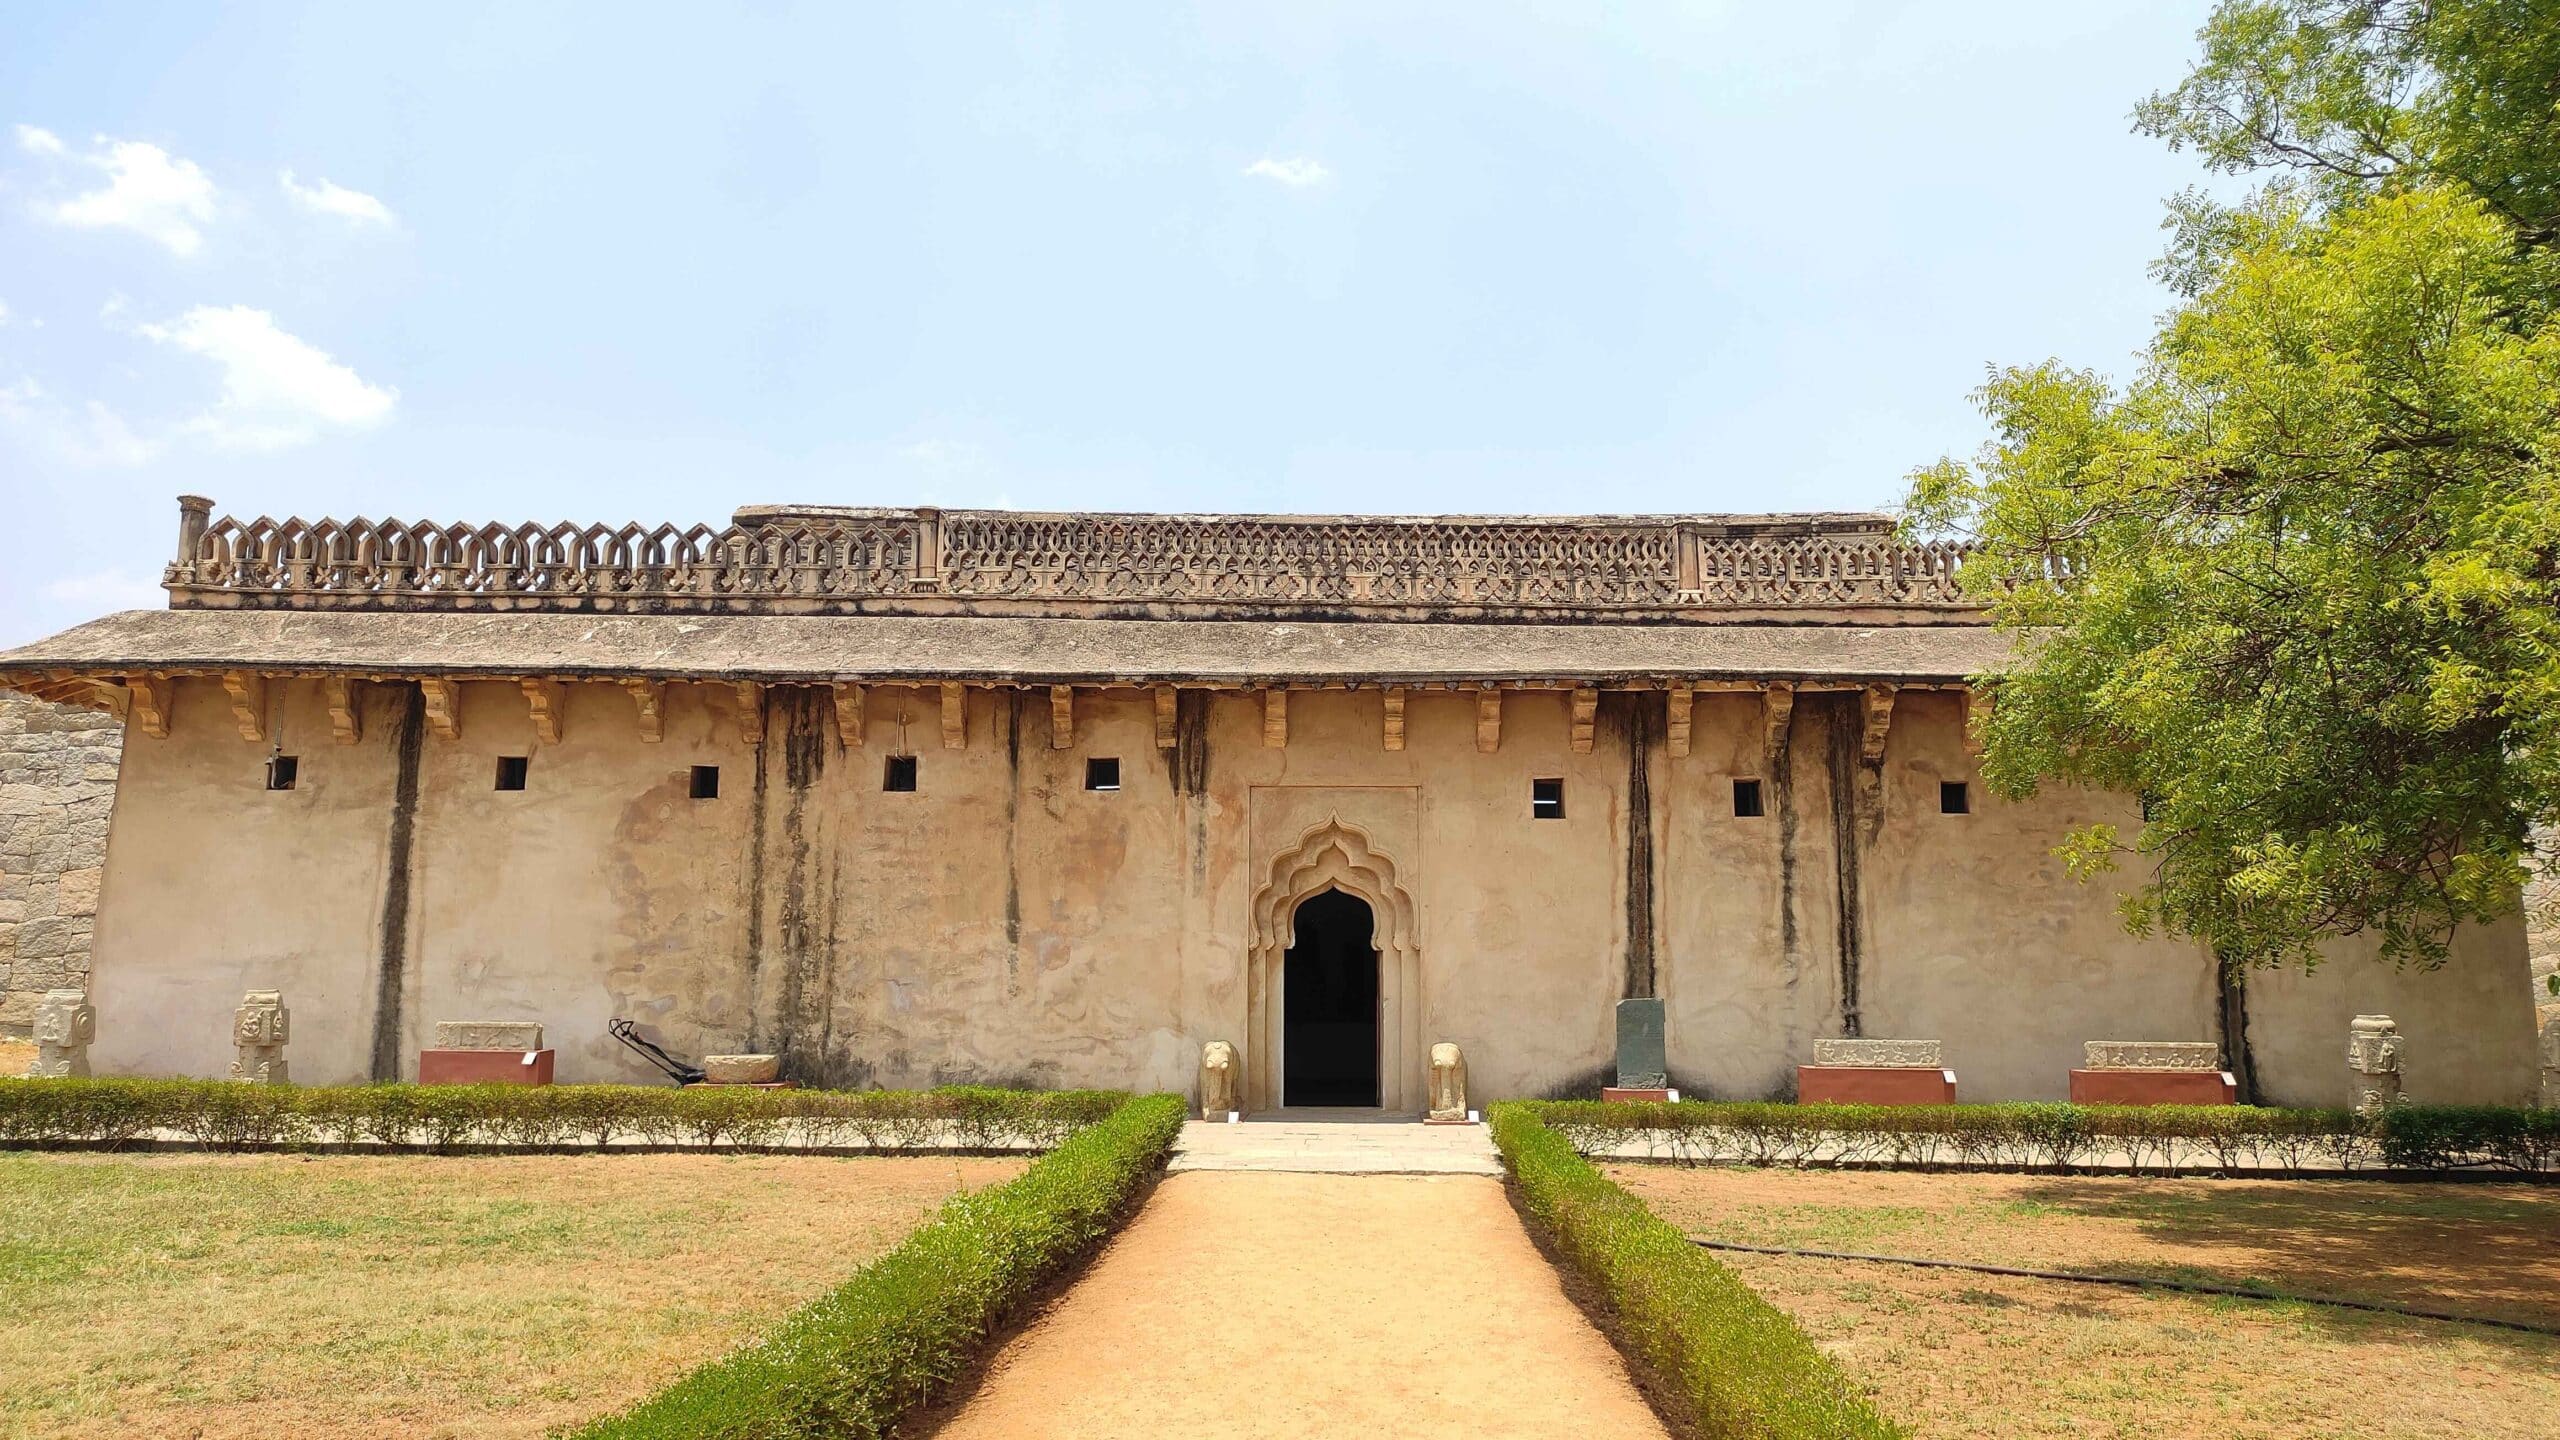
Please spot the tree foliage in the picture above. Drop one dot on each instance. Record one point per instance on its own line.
(2297, 582)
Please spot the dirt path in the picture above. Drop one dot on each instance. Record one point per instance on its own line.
(1246, 1305)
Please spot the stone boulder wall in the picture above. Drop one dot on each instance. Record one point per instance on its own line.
(57, 787)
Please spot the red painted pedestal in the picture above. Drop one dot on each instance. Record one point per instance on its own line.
(1874, 1085)
(484, 1067)
(2153, 1087)
(1613, 1093)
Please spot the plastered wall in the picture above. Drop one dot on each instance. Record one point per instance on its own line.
(1005, 924)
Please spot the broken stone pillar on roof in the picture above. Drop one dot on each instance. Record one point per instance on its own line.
(65, 1024)
(2373, 1053)
(259, 1028)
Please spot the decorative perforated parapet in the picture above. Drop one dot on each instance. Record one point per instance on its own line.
(820, 560)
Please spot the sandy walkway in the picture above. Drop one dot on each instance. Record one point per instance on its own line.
(1241, 1305)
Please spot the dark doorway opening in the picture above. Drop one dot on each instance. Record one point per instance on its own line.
(1329, 997)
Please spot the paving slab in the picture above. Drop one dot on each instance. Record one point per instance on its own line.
(1351, 1145)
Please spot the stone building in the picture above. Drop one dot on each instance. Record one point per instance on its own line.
(923, 796)
(57, 787)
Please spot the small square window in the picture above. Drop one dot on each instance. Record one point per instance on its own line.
(511, 771)
(1546, 799)
(282, 771)
(900, 774)
(706, 782)
(1746, 800)
(1953, 799)
(1102, 774)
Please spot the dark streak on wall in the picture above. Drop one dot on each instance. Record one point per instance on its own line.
(1638, 712)
(2232, 988)
(761, 817)
(1782, 786)
(1846, 728)
(391, 973)
(807, 924)
(1012, 842)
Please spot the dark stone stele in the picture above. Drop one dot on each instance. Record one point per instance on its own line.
(1641, 1065)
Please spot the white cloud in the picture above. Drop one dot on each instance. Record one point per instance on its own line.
(4, 312)
(1296, 171)
(278, 391)
(93, 436)
(109, 590)
(331, 198)
(956, 455)
(148, 191)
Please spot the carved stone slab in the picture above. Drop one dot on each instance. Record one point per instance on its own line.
(2152, 1055)
(1880, 1054)
(1641, 1061)
(1448, 1083)
(488, 1034)
(741, 1069)
(65, 1024)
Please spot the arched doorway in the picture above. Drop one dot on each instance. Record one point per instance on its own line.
(1334, 856)
(1329, 1003)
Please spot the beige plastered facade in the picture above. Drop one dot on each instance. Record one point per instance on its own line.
(1003, 923)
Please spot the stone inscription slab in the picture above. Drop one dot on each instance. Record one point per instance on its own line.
(2151, 1055)
(1641, 1060)
(488, 1034)
(1879, 1054)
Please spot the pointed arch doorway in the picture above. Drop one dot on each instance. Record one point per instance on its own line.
(1329, 1004)
(1334, 859)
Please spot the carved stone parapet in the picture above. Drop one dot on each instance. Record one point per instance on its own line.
(1219, 1075)
(65, 1025)
(741, 1069)
(259, 1028)
(488, 1034)
(1448, 1083)
(2374, 1054)
(816, 559)
(2151, 1055)
(1879, 1054)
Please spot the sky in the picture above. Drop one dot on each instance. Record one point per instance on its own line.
(634, 262)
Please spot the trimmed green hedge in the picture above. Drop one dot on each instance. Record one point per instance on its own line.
(904, 1327)
(227, 1115)
(2424, 1138)
(1738, 1365)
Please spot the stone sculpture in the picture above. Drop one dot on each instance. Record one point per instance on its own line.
(2151, 1055)
(1448, 1083)
(1218, 1080)
(488, 1034)
(741, 1069)
(1897, 1054)
(1641, 1046)
(260, 1027)
(2373, 1053)
(65, 1024)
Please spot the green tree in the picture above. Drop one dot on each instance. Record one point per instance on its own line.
(2297, 583)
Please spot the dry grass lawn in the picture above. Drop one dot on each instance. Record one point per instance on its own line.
(1956, 1354)
(325, 1296)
